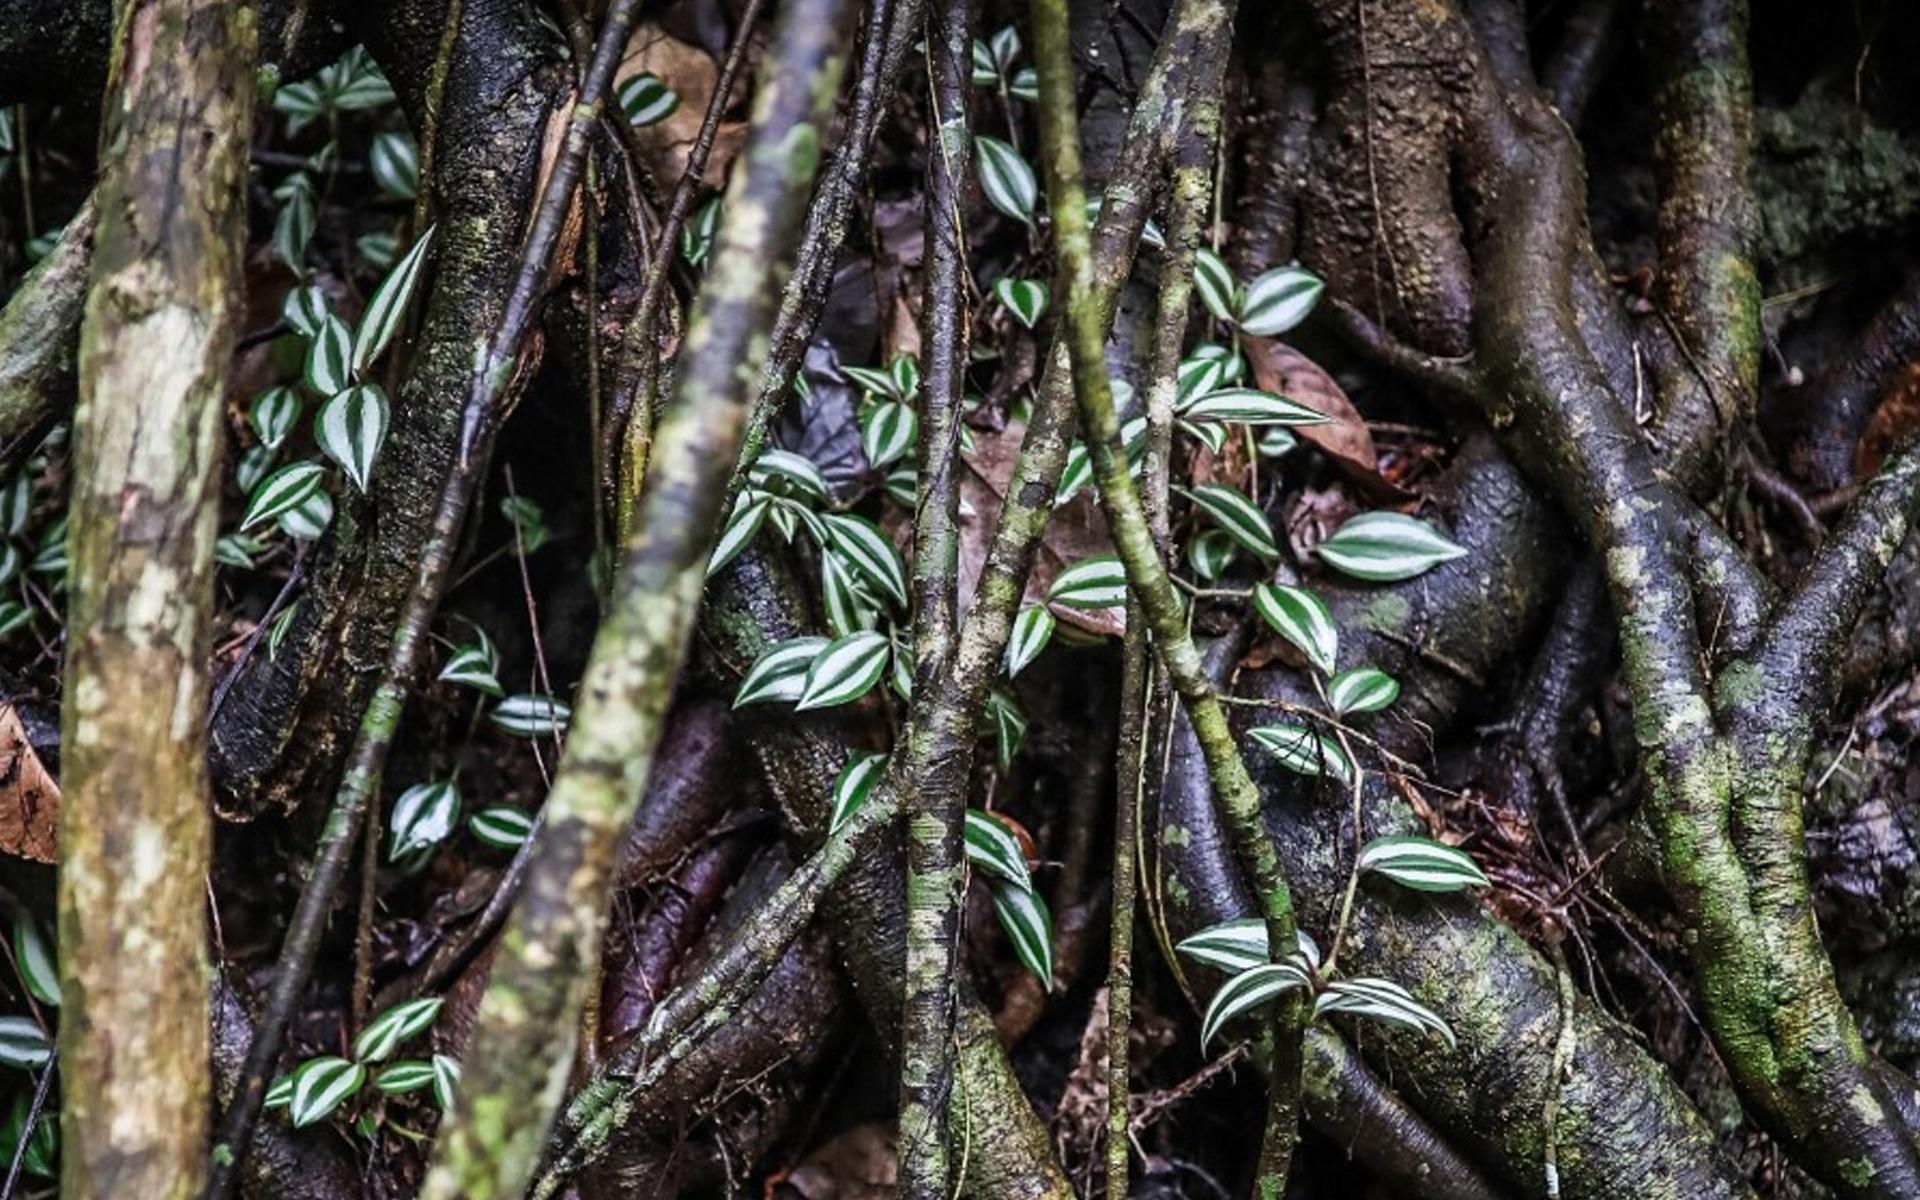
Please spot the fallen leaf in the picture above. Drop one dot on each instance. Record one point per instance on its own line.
(1278, 367)
(29, 797)
(692, 73)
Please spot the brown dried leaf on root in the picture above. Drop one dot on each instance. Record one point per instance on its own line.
(29, 797)
(691, 73)
(1345, 439)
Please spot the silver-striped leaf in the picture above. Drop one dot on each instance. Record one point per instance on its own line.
(321, 1085)
(845, 671)
(743, 525)
(789, 474)
(476, 665)
(1303, 751)
(272, 415)
(1005, 177)
(779, 674)
(252, 467)
(1278, 300)
(647, 100)
(1026, 299)
(1077, 474)
(905, 371)
(308, 519)
(446, 1076)
(279, 1092)
(696, 240)
(385, 1033)
(1240, 944)
(33, 958)
(1032, 629)
(851, 789)
(1238, 517)
(1386, 547)
(501, 826)
(236, 550)
(874, 381)
(1210, 552)
(1361, 690)
(1097, 582)
(15, 615)
(1023, 914)
(1197, 377)
(888, 431)
(1251, 406)
(1275, 441)
(351, 428)
(305, 309)
(848, 606)
(23, 1044)
(16, 505)
(1026, 86)
(1210, 434)
(1214, 281)
(422, 817)
(1251, 989)
(1009, 726)
(1381, 1000)
(869, 552)
(1303, 619)
(530, 716)
(395, 163)
(329, 367)
(50, 554)
(293, 226)
(282, 492)
(388, 307)
(991, 846)
(1422, 864)
(407, 1075)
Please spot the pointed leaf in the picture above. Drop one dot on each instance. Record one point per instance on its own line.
(320, 1086)
(384, 1034)
(1278, 300)
(33, 957)
(501, 827)
(1250, 406)
(282, 492)
(475, 665)
(743, 524)
(388, 307)
(1097, 582)
(1210, 552)
(1386, 547)
(423, 816)
(1032, 629)
(526, 715)
(888, 432)
(790, 474)
(1023, 914)
(330, 358)
(851, 790)
(351, 428)
(1422, 864)
(407, 1075)
(845, 671)
(1005, 177)
(1247, 991)
(272, 416)
(1214, 282)
(1383, 1001)
(395, 163)
(1303, 751)
(1026, 299)
(869, 552)
(992, 847)
(1361, 690)
(1302, 618)
(779, 674)
(1238, 517)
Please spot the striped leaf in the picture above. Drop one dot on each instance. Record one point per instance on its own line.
(1250, 406)
(1361, 690)
(888, 432)
(845, 671)
(1278, 300)
(1241, 944)
(501, 827)
(16, 505)
(384, 1034)
(1009, 726)
(527, 715)
(407, 1075)
(647, 100)
(308, 519)
(696, 239)
(1198, 377)
(529, 523)
(1210, 552)
(272, 416)
(1303, 751)
(986, 72)
(388, 307)
(321, 1085)
(902, 484)
(1006, 178)
(900, 675)
(1383, 1001)
(1151, 234)
(33, 958)
(351, 428)
(1214, 282)
(905, 371)
(789, 474)
(992, 847)
(1302, 618)
(355, 82)
(305, 309)
(743, 525)
(1077, 474)
(11, 560)
(475, 665)
(1386, 547)
(848, 606)
(330, 357)
(282, 492)
(1023, 914)
(1238, 517)
(50, 553)
(1250, 990)
(1026, 299)
(1004, 48)
(779, 674)
(1233, 368)
(236, 550)
(869, 552)
(446, 1076)
(1032, 629)
(423, 816)
(252, 467)
(851, 790)
(1097, 582)
(1210, 434)
(873, 381)
(279, 1092)
(379, 247)
(14, 616)
(1026, 86)
(1422, 864)
(1275, 442)
(22, 1044)
(293, 225)
(395, 163)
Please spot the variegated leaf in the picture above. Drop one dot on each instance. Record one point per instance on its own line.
(1097, 582)
(848, 606)
(1361, 690)
(446, 1076)
(869, 552)
(1026, 299)
(1381, 1000)
(851, 789)
(272, 416)
(888, 431)
(388, 307)
(395, 163)
(423, 816)
(743, 524)
(1238, 517)
(779, 674)
(308, 519)
(1422, 864)
(1009, 726)
(1032, 629)
(501, 827)
(407, 1075)
(1250, 406)
(789, 474)
(1023, 914)
(1303, 619)
(647, 100)
(321, 1085)
(475, 664)
(1210, 552)
(1277, 301)
(385, 1033)
(1005, 177)
(351, 428)
(1386, 547)
(282, 492)
(845, 671)
(992, 847)
(1252, 989)
(1303, 751)
(526, 715)
(329, 366)
(1214, 282)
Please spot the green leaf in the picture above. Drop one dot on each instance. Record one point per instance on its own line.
(905, 372)
(845, 671)
(272, 416)
(34, 959)
(1233, 368)
(501, 827)
(388, 307)
(1097, 582)
(1252, 989)
(423, 816)
(22, 1044)
(529, 524)
(1023, 914)
(903, 484)
(305, 309)
(1250, 406)
(1032, 629)
(39, 1151)
(446, 1075)
(790, 474)
(1275, 442)
(308, 519)
(1302, 618)
(1214, 282)
(1241, 944)
(1026, 86)
(236, 550)
(1386, 547)
(1026, 299)
(293, 226)
(1004, 48)
(849, 608)
(15, 615)
(851, 790)
(1198, 377)
(321, 1085)
(282, 492)
(992, 847)
(1278, 300)
(279, 1092)
(526, 715)
(395, 163)
(379, 248)
(407, 1075)
(1077, 474)
(743, 525)
(384, 1034)
(647, 100)
(986, 73)
(1303, 751)
(1009, 726)
(1006, 178)
(1361, 690)
(873, 381)
(351, 428)
(1210, 553)
(869, 552)
(356, 82)
(1383, 1001)
(475, 665)
(696, 239)
(779, 674)
(253, 467)
(888, 431)
(1422, 864)
(1238, 517)
(10, 561)
(16, 506)
(50, 554)
(329, 357)
(1210, 434)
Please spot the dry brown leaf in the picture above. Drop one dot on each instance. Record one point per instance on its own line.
(1278, 367)
(861, 1164)
(692, 73)
(29, 797)
(1893, 422)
